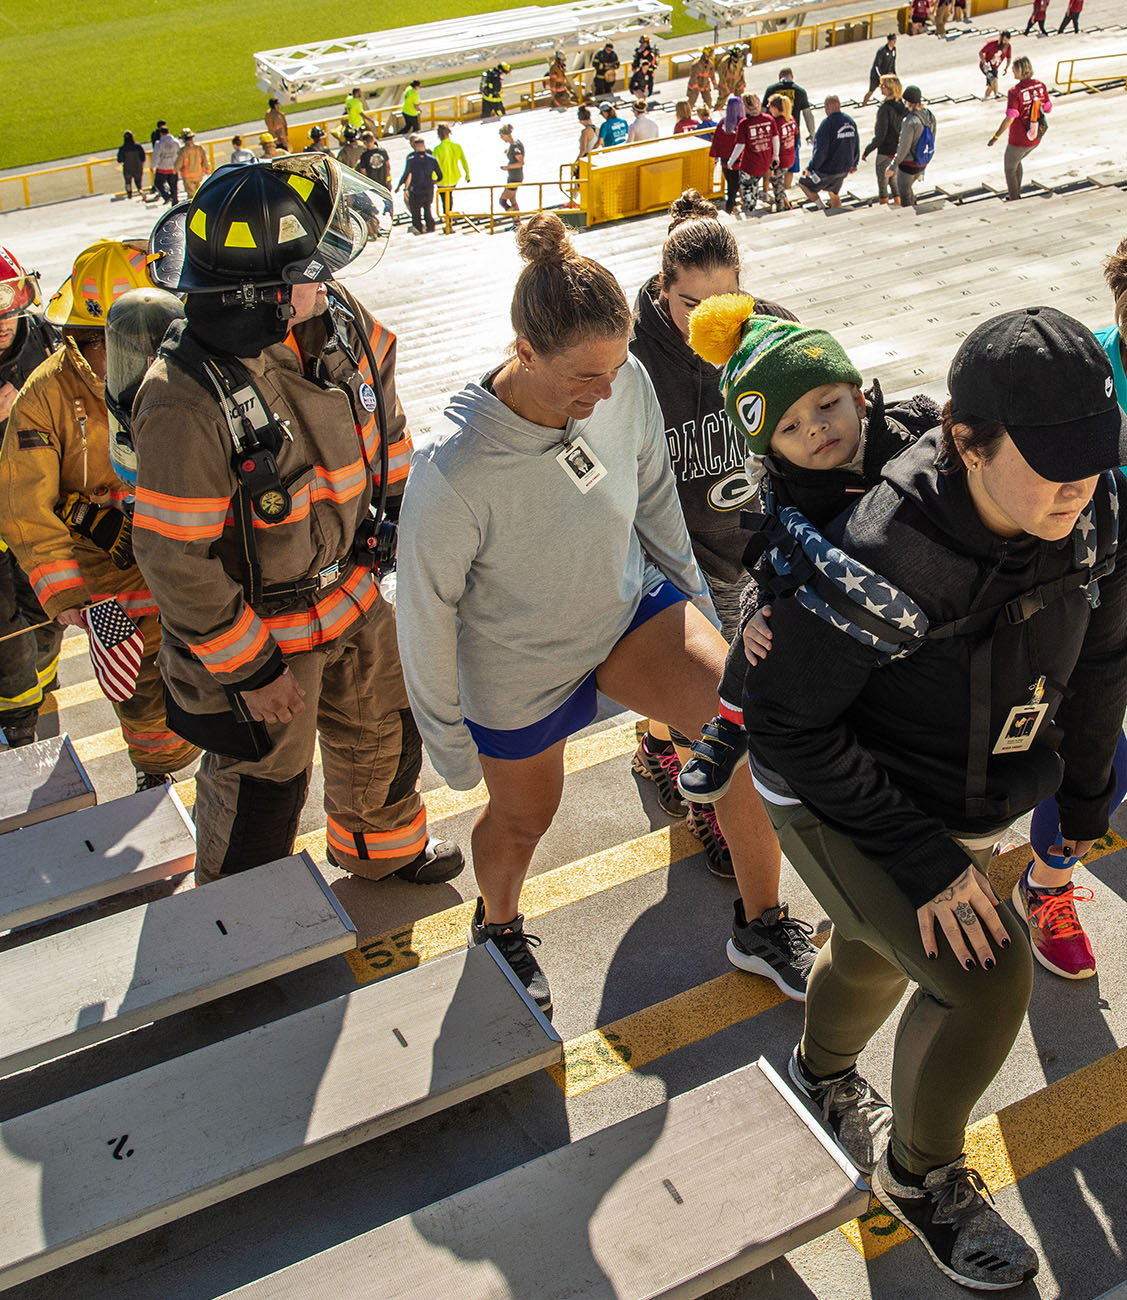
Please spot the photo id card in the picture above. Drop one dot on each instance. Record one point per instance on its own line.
(581, 465)
(1020, 728)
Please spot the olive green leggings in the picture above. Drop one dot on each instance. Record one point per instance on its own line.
(958, 1026)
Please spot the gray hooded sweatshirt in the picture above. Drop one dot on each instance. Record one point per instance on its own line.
(513, 585)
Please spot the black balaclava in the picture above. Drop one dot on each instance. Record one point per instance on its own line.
(235, 330)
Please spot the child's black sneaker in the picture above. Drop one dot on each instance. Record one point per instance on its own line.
(702, 823)
(967, 1239)
(516, 947)
(716, 755)
(859, 1118)
(775, 946)
(657, 761)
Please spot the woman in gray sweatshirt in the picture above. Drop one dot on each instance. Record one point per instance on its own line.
(543, 556)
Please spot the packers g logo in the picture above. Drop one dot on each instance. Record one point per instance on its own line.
(731, 492)
(749, 408)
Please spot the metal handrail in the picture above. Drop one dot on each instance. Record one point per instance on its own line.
(493, 214)
(1072, 79)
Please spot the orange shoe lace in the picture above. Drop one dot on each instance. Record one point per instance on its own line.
(1056, 916)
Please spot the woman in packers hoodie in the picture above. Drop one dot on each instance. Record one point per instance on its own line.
(890, 782)
(543, 557)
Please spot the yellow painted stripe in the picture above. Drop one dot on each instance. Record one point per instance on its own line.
(68, 697)
(1022, 1138)
(73, 646)
(431, 936)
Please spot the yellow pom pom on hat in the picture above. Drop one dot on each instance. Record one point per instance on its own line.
(768, 364)
(101, 274)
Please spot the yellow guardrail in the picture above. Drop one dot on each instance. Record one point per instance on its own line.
(1087, 81)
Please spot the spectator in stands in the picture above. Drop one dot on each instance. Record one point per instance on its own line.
(779, 108)
(685, 119)
(355, 112)
(940, 16)
(318, 142)
(192, 163)
(837, 151)
(410, 107)
(131, 156)
(887, 834)
(884, 64)
(605, 63)
(915, 147)
(959, 9)
(588, 138)
(1026, 105)
(1037, 15)
(917, 19)
(703, 80)
(557, 84)
(240, 156)
(886, 137)
(800, 109)
(990, 58)
(613, 130)
(642, 68)
(375, 161)
(1113, 338)
(1071, 15)
(724, 140)
(276, 126)
(451, 159)
(421, 173)
(527, 582)
(756, 154)
(165, 179)
(351, 150)
(643, 126)
(513, 167)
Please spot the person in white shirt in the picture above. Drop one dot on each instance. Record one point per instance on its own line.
(643, 126)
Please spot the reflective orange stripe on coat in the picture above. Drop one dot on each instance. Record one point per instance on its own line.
(53, 579)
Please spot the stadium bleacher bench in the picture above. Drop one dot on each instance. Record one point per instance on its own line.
(69, 990)
(674, 1201)
(104, 1165)
(83, 857)
(40, 781)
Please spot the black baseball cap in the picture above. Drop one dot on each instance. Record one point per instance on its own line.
(1047, 379)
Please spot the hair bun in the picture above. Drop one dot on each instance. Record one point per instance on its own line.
(542, 240)
(716, 326)
(691, 206)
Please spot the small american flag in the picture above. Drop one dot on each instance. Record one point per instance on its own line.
(116, 644)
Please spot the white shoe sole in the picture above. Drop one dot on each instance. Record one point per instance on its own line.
(710, 796)
(757, 966)
(1019, 908)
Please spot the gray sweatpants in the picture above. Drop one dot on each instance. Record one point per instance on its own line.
(1015, 154)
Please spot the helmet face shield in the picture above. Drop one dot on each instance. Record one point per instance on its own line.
(19, 289)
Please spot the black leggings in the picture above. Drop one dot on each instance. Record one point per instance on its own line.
(732, 186)
(1074, 19)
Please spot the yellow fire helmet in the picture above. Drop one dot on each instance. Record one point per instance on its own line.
(102, 273)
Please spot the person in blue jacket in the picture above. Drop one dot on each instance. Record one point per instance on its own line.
(837, 151)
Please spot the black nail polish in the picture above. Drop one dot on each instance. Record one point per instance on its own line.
(1005, 943)
(989, 963)
(969, 963)
(932, 956)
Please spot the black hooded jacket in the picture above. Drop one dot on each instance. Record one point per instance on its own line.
(881, 753)
(34, 342)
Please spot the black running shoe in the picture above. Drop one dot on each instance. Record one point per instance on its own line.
(516, 948)
(152, 780)
(967, 1239)
(20, 733)
(439, 862)
(702, 823)
(859, 1118)
(662, 767)
(773, 945)
(716, 755)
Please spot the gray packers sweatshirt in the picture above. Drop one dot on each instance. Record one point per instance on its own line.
(513, 585)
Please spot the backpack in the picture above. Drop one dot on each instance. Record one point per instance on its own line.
(925, 147)
(1034, 121)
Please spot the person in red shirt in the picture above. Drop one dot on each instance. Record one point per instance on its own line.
(756, 151)
(1071, 15)
(1040, 9)
(991, 57)
(1026, 105)
(779, 108)
(920, 11)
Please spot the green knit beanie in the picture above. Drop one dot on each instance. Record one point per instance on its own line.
(776, 363)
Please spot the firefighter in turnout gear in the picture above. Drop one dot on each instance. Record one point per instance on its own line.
(278, 395)
(28, 664)
(64, 512)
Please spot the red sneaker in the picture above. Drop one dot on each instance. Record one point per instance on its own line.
(1058, 938)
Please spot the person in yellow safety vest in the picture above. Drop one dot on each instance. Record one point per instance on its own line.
(451, 157)
(28, 664)
(410, 109)
(355, 112)
(256, 536)
(63, 510)
(191, 162)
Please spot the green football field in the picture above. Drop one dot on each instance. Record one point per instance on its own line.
(77, 74)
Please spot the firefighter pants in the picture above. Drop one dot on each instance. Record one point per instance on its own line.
(356, 703)
(153, 748)
(28, 663)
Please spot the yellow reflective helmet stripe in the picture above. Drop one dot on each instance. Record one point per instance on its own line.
(302, 184)
(198, 223)
(239, 236)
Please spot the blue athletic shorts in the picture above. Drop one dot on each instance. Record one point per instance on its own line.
(581, 705)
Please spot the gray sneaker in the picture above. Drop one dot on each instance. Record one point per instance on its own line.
(774, 944)
(858, 1117)
(968, 1240)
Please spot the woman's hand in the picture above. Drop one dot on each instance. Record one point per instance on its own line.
(757, 635)
(965, 911)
